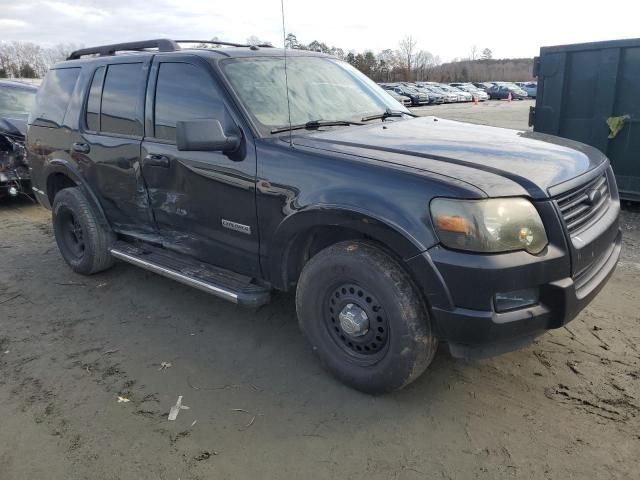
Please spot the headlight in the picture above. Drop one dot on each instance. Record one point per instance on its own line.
(493, 225)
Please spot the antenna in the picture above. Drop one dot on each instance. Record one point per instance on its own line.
(286, 78)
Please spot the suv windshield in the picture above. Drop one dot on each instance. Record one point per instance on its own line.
(320, 88)
(16, 102)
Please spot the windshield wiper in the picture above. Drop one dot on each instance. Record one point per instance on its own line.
(386, 114)
(313, 124)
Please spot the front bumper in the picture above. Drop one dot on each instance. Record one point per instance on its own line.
(15, 180)
(460, 288)
(477, 333)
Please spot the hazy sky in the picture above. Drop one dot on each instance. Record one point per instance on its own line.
(510, 28)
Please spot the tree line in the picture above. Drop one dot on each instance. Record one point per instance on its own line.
(408, 62)
(28, 60)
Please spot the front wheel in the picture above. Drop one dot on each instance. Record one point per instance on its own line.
(362, 315)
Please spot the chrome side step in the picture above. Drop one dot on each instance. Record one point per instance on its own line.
(224, 284)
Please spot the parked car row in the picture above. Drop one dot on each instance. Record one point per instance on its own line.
(432, 93)
(501, 90)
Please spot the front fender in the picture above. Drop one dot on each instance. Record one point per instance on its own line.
(298, 224)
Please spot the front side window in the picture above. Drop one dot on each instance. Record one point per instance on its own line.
(121, 94)
(54, 96)
(320, 88)
(183, 92)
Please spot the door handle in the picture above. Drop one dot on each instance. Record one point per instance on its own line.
(81, 147)
(157, 160)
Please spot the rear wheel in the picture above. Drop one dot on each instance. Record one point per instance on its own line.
(82, 240)
(363, 317)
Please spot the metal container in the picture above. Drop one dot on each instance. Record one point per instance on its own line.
(583, 86)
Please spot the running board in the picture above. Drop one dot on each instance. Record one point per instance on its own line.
(217, 281)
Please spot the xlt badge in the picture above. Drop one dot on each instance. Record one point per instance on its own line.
(238, 227)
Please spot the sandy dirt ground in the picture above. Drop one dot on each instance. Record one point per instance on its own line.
(497, 113)
(85, 386)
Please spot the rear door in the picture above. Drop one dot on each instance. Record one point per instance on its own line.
(203, 202)
(107, 146)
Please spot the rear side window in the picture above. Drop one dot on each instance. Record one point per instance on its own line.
(54, 96)
(92, 116)
(121, 97)
(183, 92)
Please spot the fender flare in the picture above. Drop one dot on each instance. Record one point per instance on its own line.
(287, 235)
(58, 165)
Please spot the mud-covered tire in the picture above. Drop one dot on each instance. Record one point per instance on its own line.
(377, 284)
(83, 242)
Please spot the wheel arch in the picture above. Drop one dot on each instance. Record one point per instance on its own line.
(305, 233)
(60, 174)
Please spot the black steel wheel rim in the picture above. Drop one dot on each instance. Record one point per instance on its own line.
(370, 346)
(72, 234)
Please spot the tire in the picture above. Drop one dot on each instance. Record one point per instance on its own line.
(397, 346)
(82, 241)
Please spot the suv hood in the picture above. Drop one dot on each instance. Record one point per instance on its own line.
(498, 161)
(13, 127)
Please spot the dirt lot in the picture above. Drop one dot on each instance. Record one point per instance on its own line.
(498, 113)
(83, 394)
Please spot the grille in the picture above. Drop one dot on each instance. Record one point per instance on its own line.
(583, 206)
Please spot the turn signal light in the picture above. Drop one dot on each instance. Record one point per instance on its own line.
(450, 223)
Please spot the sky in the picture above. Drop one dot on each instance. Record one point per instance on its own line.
(510, 28)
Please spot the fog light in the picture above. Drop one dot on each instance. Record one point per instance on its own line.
(13, 191)
(516, 299)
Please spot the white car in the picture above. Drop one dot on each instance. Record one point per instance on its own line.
(462, 95)
(473, 90)
(449, 97)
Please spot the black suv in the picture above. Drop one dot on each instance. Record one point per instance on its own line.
(396, 232)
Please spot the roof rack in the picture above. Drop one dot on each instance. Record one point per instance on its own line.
(161, 44)
(228, 44)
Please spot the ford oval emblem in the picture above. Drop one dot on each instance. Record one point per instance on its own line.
(594, 196)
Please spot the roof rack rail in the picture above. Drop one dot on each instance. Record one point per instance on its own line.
(162, 44)
(228, 44)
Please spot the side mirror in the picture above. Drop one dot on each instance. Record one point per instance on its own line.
(205, 135)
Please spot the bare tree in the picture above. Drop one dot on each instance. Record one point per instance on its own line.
(473, 54)
(254, 40)
(407, 48)
(210, 45)
(388, 62)
(423, 63)
(487, 54)
(23, 58)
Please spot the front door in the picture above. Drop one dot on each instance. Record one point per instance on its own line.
(203, 202)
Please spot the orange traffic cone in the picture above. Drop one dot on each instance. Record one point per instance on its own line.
(509, 98)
